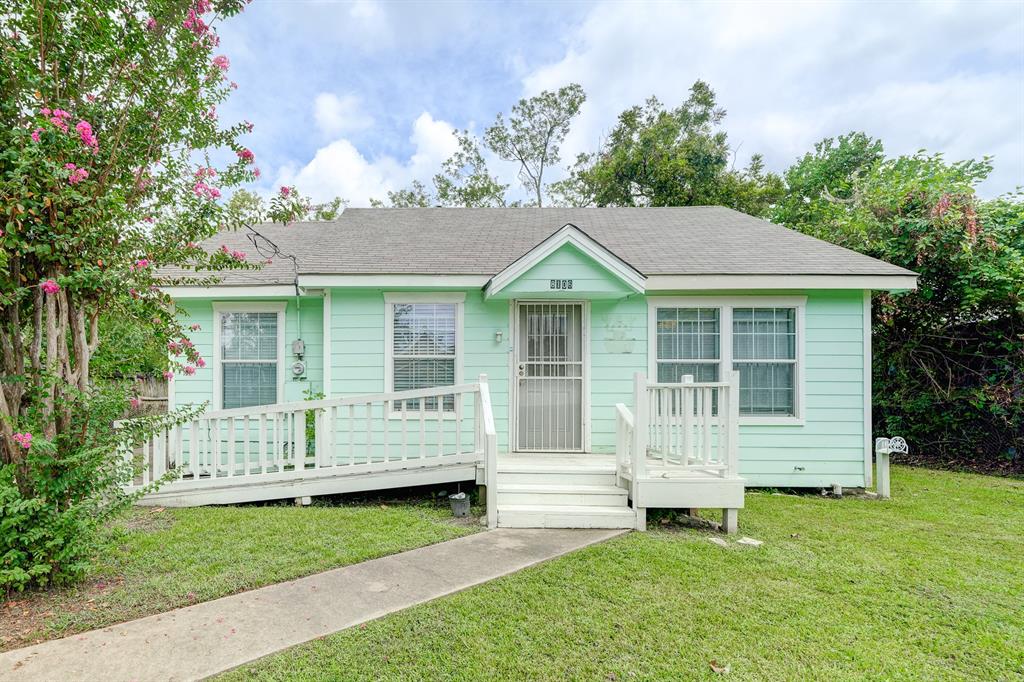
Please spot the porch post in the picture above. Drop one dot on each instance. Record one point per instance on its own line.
(641, 430)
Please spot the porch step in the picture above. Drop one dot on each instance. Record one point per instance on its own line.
(576, 495)
(560, 474)
(564, 516)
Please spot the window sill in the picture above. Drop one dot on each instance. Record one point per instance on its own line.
(772, 421)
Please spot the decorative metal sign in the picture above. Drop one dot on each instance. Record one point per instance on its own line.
(561, 284)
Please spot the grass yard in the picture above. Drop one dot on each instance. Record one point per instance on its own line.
(160, 559)
(928, 586)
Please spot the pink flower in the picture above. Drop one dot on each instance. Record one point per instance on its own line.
(191, 245)
(248, 126)
(23, 439)
(151, 24)
(84, 129)
(238, 255)
(195, 327)
(190, 370)
(135, 402)
(246, 155)
(77, 174)
(172, 346)
(201, 189)
(169, 375)
(140, 264)
(224, 248)
(45, 111)
(285, 191)
(35, 134)
(200, 362)
(222, 62)
(49, 286)
(256, 172)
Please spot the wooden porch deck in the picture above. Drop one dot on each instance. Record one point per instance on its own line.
(686, 433)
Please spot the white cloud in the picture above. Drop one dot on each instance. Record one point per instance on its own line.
(339, 115)
(340, 169)
(945, 77)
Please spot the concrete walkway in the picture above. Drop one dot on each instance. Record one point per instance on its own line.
(208, 638)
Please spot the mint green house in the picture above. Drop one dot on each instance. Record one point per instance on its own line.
(583, 364)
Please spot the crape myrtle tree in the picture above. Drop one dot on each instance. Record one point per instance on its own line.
(109, 112)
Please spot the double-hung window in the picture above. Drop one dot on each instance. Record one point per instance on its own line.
(248, 362)
(688, 342)
(423, 346)
(759, 338)
(764, 353)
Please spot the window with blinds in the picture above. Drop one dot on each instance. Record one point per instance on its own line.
(764, 353)
(423, 350)
(688, 343)
(248, 358)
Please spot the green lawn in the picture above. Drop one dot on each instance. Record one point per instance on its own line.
(162, 559)
(929, 585)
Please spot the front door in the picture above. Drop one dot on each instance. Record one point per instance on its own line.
(549, 375)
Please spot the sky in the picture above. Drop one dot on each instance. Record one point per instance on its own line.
(355, 99)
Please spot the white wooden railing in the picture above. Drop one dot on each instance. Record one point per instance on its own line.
(679, 428)
(355, 434)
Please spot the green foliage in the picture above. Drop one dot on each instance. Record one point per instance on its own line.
(249, 208)
(464, 181)
(669, 157)
(50, 535)
(949, 357)
(533, 135)
(127, 350)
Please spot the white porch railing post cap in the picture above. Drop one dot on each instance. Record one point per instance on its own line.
(882, 446)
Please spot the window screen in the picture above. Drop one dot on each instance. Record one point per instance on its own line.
(688, 343)
(423, 350)
(764, 353)
(248, 353)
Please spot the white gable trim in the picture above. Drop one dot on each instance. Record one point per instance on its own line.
(568, 234)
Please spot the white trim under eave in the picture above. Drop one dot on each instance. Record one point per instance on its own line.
(568, 234)
(397, 281)
(668, 283)
(231, 291)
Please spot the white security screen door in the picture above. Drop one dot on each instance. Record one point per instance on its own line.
(549, 375)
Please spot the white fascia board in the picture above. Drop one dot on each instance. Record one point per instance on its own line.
(230, 291)
(397, 281)
(725, 282)
(568, 234)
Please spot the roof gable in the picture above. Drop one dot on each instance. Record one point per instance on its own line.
(555, 265)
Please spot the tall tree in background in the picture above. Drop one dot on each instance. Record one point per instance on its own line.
(949, 357)
(464, 181)
(656, 156)
(533, 135)
(249, 208)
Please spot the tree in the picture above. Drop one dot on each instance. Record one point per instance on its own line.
(463, 181)
(820, 186)
(105, 174)
(533, 135)
(948, 357)
(669, 157)
(249, 208)
(415, 196)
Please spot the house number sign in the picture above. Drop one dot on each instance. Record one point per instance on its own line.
(561, 284)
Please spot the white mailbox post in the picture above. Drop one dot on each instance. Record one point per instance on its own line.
(883, 448)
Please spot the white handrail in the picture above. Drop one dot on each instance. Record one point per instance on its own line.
(490, 452)
(686, 426)
(380, 431)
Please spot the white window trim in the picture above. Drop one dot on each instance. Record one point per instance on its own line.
(391, 299)
(220, 308)
(726, 304)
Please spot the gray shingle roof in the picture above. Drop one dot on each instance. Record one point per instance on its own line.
(656, 241)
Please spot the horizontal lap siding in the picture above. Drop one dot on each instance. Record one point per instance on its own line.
(618, 349)
(829, 448)
(358, 346)
(197, 389)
